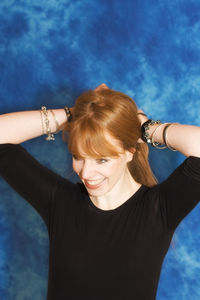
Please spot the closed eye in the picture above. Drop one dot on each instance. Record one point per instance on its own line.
(76, 157)
(102, 160)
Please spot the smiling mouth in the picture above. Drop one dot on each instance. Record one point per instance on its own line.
(93, 184)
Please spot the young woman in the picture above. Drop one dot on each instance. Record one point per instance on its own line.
(108, 234)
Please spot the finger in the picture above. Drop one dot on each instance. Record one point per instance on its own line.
(101, 87)
(142, 114)
(140, 141)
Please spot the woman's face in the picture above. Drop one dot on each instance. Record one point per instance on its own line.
(101, 175)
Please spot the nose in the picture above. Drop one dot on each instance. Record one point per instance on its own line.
(87, 170)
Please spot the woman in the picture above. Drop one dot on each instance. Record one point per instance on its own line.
(110, 233)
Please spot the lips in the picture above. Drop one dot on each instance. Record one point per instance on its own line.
(93, 184)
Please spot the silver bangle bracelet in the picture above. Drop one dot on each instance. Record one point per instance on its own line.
(165, 137)
(155, 144)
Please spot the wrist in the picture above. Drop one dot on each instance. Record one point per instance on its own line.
(147, 130)
(68, 113)
(155, 133)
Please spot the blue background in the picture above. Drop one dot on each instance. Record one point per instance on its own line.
(51, 51)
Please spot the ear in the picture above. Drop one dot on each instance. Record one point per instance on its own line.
(130, 153)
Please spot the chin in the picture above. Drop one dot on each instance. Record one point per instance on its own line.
(96, 193)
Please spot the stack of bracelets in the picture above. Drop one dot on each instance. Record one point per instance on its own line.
(46, 123)
(144, 128)
(150, 140)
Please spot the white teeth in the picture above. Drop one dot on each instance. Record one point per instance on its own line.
(94, 182)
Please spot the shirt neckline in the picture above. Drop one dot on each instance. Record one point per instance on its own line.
(120, 207)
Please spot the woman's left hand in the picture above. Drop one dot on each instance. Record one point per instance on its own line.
(142, 116)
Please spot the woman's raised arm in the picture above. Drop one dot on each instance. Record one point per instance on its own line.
(183, 138)
(18, 127)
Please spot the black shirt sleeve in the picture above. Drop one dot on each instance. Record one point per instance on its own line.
(34, 182)
(180, 192)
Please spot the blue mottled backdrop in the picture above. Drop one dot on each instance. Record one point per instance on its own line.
(50, 51)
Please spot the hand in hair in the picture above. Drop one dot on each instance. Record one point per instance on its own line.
(102, 86)
(142, 116)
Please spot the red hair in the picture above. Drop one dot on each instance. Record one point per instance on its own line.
(102, 111)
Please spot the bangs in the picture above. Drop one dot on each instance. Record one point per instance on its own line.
(87, 138)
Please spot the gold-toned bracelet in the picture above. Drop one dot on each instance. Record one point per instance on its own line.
(41, 114)
(50, 135)
(165, 136)
(155, 144)
(56, 122)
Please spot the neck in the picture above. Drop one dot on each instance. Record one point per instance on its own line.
(120, 193)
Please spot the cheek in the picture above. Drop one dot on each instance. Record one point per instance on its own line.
(76, 166)
(116, 169)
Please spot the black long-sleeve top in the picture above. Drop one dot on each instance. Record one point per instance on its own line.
(96, 254)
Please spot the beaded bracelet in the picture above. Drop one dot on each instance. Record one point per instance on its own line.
(68, 113)
(145, 127)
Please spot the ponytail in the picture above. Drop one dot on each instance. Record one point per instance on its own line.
(139, 166)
